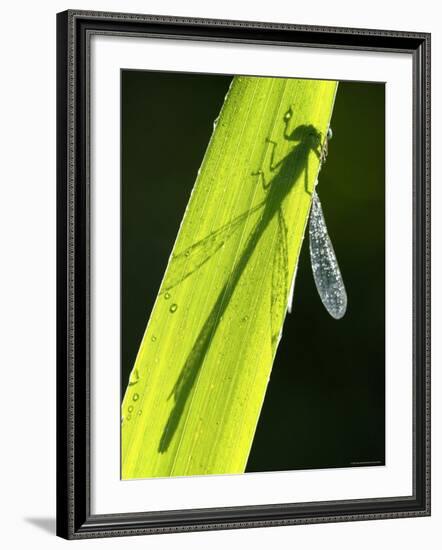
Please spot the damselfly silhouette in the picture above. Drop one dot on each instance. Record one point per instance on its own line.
(285, 174)
(326, 272)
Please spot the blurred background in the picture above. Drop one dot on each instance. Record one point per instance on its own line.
(325, 403)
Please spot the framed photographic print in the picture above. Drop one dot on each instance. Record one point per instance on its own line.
(243, 274)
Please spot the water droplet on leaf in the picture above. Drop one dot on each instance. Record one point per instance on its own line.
(134, 377)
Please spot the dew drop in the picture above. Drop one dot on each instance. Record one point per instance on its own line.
(130, 408)
(187, 253)
(139, 412)
(128, 417)
(153, 338)
(245, 319)
(173, 308)
(135, 397)
(134, 377)
(167, 296)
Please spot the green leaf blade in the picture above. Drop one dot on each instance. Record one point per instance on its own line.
(203, 366)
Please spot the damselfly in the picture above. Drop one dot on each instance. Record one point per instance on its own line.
(325, 266)
(326, 272)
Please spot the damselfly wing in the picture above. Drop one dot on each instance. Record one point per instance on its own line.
(280, 280)
(183, 264)
(325, 266)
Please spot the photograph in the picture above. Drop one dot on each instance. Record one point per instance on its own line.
(252, 274)
(243, 268)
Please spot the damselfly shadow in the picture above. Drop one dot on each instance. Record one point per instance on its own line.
(284, 175)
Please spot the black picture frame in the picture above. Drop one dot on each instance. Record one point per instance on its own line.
(74, 518)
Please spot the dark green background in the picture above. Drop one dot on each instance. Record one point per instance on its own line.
(325, 403)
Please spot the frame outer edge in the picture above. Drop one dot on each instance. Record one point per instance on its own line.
(427, 265)
(73, 518)
(63, 499)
